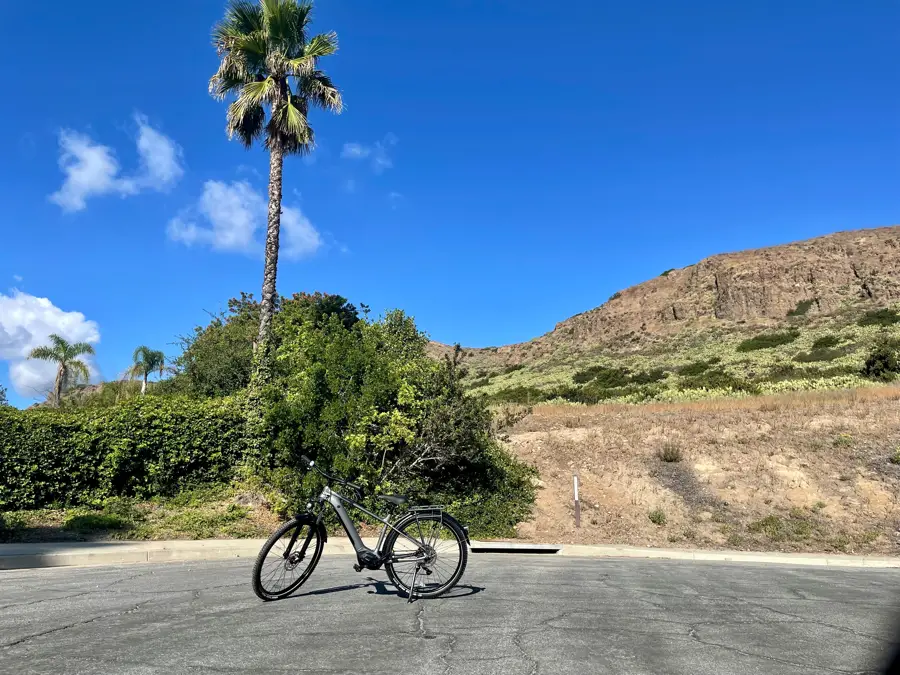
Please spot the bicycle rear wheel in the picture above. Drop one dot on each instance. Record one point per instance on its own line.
(287, 559)
(430, 559)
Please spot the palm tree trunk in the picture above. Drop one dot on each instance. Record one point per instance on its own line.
(58, 385)
(144, 385)
(273, 231)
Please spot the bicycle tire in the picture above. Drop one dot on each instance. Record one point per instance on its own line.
(405, 587)
(260, 580)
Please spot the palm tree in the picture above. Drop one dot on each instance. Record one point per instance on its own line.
(69, 368)
(146, 361)
(269, 63)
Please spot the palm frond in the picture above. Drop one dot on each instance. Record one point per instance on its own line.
(80, 348)
(241, 17)
(245, 123)
(139, 353)
(289, 119)
(257, 93)
(44, 354)
(319, 46)
(59, 343)
(319, 90)
(278, 18)
(78, 370)
(230, 77)
(302, 18)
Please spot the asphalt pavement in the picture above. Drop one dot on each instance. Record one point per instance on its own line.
(510, 614)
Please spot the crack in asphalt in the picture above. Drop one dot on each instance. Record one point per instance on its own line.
(694, 635)
(58, 629)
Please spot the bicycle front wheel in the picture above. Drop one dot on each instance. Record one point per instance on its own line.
(287, 559)
(428, 558)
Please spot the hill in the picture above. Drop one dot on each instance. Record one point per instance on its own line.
(803, 302)
(815, 471)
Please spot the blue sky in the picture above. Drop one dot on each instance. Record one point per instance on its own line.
(499, 167)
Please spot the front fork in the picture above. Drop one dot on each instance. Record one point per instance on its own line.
(313, 526)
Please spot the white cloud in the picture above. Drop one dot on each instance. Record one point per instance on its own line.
(26, 322)
(228, 216)
(300, 238)
(377, 153)
(17, 278)
(91, 169)
(160, 158)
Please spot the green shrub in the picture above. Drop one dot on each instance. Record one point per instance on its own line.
(524, 395)
(667, 272)
(879, 317)
(718, 379)
(882, 362)
(820, 354)
(513, 368)
(768, 341)
(649, 376)
(142, 447)
(802, 308)
(84, 523)
(615, 296)
(657, 516)
(694, 369)
(670, 452)
(826, 342)
(603, 376)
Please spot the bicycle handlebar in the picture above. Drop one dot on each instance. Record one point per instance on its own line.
(312, 465)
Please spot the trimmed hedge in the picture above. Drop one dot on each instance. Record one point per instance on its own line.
(144, 447)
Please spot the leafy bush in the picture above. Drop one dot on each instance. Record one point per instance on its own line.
(361, 398)
(820, 354)
(523, 395)
(649, 376)
(826, 342)
(802, 308)
(718, 379)
(882, 362)
(670, 452)
(603, 376)
(513, 368)
(768, 341)
(615, 296)
(698, 367)
(879, 317)
(657, 516)
(143, 447)
(667, 272)
(2, 396)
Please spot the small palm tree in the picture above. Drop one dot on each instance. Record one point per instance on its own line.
(269, 63)
(146, 361)
(69, 368)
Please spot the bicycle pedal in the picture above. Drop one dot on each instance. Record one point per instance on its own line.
(357, 567)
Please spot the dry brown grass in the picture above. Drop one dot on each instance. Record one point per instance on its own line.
(806, 471)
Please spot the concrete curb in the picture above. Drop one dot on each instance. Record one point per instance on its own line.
(815, 559)
(61, 554)
(65, 554)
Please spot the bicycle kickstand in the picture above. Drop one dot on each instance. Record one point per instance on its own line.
(413, 588)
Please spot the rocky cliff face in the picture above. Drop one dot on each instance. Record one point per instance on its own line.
(816, 276)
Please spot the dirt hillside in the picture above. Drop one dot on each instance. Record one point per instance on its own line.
(810, 471)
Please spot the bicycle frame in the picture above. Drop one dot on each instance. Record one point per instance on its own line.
(364, 554)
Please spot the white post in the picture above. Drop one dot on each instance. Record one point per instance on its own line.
(577, 502)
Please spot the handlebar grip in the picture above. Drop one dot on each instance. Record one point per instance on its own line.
(306, 459)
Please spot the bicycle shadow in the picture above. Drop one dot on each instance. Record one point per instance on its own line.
(383, 588)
